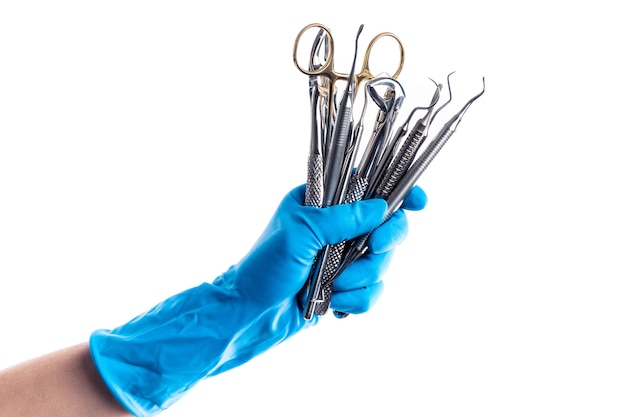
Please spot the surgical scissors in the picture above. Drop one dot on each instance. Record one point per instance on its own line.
(327, 68)
(332, 187)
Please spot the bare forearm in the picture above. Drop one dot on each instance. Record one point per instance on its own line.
(60, 384)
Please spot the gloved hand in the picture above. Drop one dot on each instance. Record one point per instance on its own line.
(151, 361)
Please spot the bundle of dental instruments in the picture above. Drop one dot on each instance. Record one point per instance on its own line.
(338, 171)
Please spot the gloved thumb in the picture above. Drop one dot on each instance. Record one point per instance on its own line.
(341, 222)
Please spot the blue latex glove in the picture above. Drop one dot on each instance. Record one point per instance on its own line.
(151, 361)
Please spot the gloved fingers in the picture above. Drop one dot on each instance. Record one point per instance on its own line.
(357, 301)
(415, 200)
(365, 271)
(358, 288)
(396, 228)
(341, 222)
(337, 223)
(389, 234)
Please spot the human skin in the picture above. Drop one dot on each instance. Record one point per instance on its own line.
(63, 383)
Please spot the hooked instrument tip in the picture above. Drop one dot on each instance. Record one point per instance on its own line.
(470, 101)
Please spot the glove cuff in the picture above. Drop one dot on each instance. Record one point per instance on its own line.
(153, 360)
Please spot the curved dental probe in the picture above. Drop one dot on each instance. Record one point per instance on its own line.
(359, 246)
(390, 173)
(395, 199)
(447, 102)
(394, 171)
(404, 127)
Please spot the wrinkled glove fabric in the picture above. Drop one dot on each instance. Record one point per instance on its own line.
(154, 359)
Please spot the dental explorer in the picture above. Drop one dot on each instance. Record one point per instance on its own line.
(409, 149)
(389, 173)
(394, 201)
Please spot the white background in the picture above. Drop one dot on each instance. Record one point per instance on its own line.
(143, 146)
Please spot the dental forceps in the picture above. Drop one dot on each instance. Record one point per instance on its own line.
(333, 186)
(327, 69)
(388, 108)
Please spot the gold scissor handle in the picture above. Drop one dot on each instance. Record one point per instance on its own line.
(327, 67)
(366, 73)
